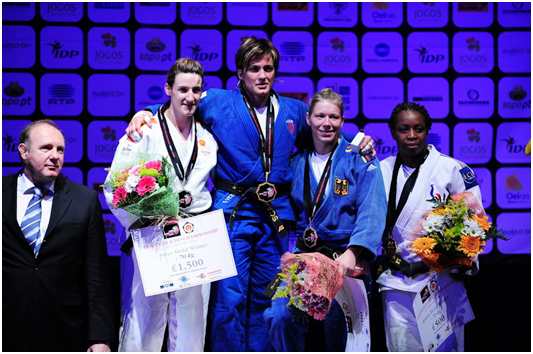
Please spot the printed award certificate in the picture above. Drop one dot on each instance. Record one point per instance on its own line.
(353, 300)
(441, 306)
(198, 252)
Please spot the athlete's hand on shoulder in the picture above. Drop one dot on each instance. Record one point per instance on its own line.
(134, 129)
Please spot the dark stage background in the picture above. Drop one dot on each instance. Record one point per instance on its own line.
(90, 66)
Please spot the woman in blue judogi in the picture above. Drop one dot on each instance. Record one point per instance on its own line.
(340, 205)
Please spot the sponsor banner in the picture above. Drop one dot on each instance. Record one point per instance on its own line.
(382, 14)
(514, 97)
(234, 40)
(381, 95)
(348, 88)
(109, 95)
(155, 49)
(10, 140)
(62, 11)
(204, 46)
(514, 52)
(18, 94)
(432, 93)
(514, 14)
(61, 94)
(158, 13)
(296, 51)
(337, 52)
(517, 227)
(427, 52)
(297, 87)
(108, 48)
(473, 14)
(473, 142)
(18, 46)
(293, 14)
(473, 97)
(18, 11)
(149, 90)
(201, 13)
(61, 47)
(513, 188)
(490, 243)
(73, 133)
(115, 234)
(382, 52)
(427, 14)
(511, 141)
(238, 13)
(337, 14)
(484, 180)
(108, 12)
(473, 52)
(102, 139)
(7, 170)
(233, 82)
(95, 178)
(350, 127)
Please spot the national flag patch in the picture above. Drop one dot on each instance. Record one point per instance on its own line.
(290, 125)
(341, 187)
(367, 158)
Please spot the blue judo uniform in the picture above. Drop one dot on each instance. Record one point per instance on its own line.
(237, 303)
(352, 214)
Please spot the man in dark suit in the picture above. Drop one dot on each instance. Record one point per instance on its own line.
(56, 291)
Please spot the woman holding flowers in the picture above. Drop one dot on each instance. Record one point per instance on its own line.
(340, 205)
(191, 151)
(416, 178)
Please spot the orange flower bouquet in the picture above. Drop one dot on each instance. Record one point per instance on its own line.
(454, 232)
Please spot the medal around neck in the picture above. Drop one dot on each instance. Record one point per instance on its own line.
(185, 199)
(310, 237)
(266, 192)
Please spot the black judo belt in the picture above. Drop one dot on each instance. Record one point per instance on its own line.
(390, 259)
(262, 192)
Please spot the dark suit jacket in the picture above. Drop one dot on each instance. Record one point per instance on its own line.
(63, 298)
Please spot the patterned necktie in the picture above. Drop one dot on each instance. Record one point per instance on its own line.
(31, 223)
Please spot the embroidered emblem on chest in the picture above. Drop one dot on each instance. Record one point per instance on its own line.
(290, 125)
(341, 187)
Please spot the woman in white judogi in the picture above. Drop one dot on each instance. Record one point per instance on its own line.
(144, 319)
(437, 174)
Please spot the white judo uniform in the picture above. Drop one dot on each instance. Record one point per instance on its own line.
(439, 174)
(144, 319)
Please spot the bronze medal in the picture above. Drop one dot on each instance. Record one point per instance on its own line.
(310, 237)
(185, 199)
(266, 192)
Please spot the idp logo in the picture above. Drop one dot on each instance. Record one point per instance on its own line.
(199, 55)
(9, 143)
(512, 146)
(425, 57)
(59, 53)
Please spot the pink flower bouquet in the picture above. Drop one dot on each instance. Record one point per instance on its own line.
(142, 185)
(311, 282)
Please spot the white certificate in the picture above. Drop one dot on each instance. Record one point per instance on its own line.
(441, 306)
(354, 302)
(200, 253)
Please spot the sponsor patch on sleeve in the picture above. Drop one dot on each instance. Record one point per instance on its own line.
(468, 177)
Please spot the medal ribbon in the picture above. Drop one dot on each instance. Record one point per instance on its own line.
(311, 207)
(266, 144)
(172, 152)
